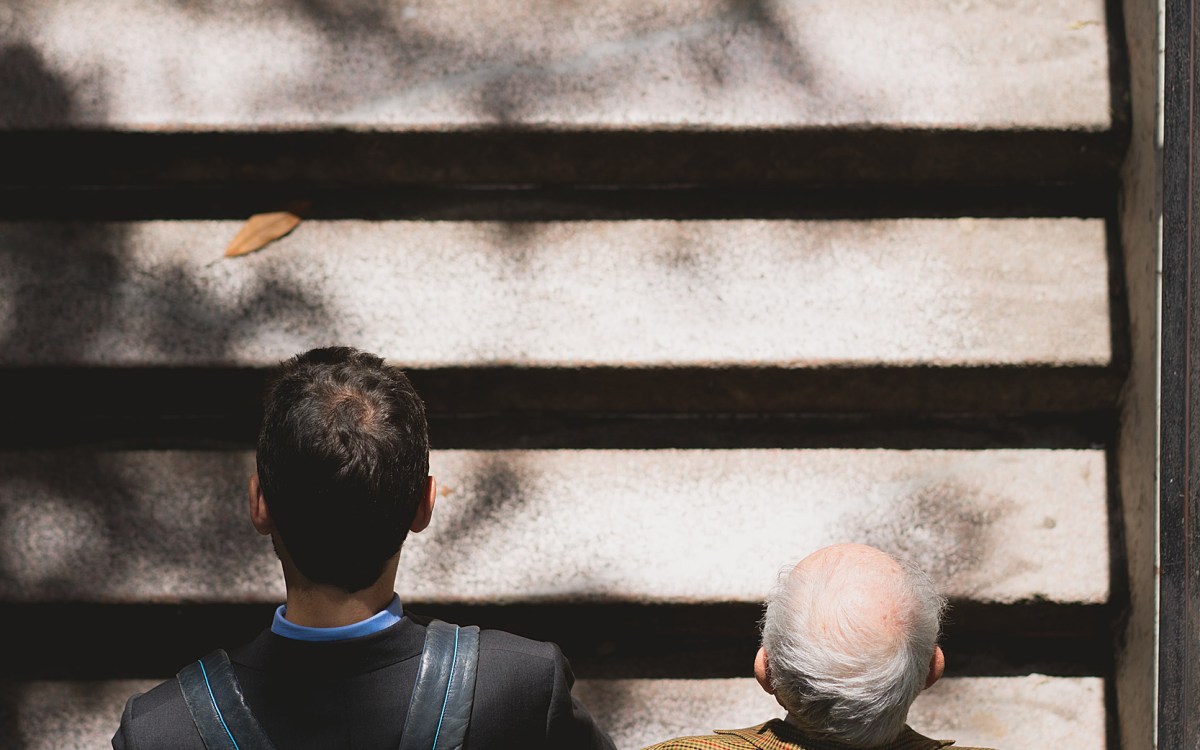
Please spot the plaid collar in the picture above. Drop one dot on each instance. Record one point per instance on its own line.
(779, 735)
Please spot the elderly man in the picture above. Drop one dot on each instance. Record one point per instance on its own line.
(849, 641)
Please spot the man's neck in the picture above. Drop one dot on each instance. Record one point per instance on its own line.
(320, 606)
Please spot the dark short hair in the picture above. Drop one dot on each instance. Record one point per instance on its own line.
(343, 457)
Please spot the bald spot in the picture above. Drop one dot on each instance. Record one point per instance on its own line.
(354, 404)
(862, 603)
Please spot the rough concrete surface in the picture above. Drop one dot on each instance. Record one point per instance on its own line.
(997, 712)
(1138, 438)
(431, 65)
(562, 526)
(64, 715)
(1015, 712)
(1005, 292)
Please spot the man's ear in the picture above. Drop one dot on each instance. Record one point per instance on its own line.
(260, 515)
(937, 665)
(762, 671)
(425, 507)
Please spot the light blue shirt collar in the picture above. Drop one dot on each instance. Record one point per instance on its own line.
(373, 624)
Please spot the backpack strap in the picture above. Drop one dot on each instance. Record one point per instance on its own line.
(438, 714)
(440, 710)
(214, 699)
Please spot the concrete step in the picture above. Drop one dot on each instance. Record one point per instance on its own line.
(788, 295)
(604, 639)
(998, 712)
(661, 92)
(993, 526)
(150, 410)
(526, 203)
(990, 64)
(152, 407)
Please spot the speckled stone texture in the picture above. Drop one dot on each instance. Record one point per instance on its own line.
(629, 64)
(64, 715)
(997, 712)
(1006, 292)
(565, 526)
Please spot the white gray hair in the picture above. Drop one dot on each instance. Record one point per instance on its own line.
(837, 678)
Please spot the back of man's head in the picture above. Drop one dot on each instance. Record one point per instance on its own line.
(849, 636)
(343, 458)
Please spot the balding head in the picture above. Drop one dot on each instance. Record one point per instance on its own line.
(856, 595)
(849, 640)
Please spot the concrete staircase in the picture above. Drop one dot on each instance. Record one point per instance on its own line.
(691, 289)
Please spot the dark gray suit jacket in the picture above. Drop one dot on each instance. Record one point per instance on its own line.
(355, 693)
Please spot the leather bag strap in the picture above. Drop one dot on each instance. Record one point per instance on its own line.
(214, 699)
(440, 710)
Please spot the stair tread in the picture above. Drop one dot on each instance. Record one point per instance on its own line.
(746, 293)
(682, 526)
(621, 65)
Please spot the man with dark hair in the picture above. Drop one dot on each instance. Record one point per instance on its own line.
(343, 476)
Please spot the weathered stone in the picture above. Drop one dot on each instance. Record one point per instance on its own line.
(1138, 439)
(570, 526)
(64, 715)
(300, 162)
(999, 712)
(1012, 712)
(786, 294)
(619, 65)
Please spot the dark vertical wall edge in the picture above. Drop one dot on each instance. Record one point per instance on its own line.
(1179, 546)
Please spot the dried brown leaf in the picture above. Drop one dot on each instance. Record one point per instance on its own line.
(261, 230)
